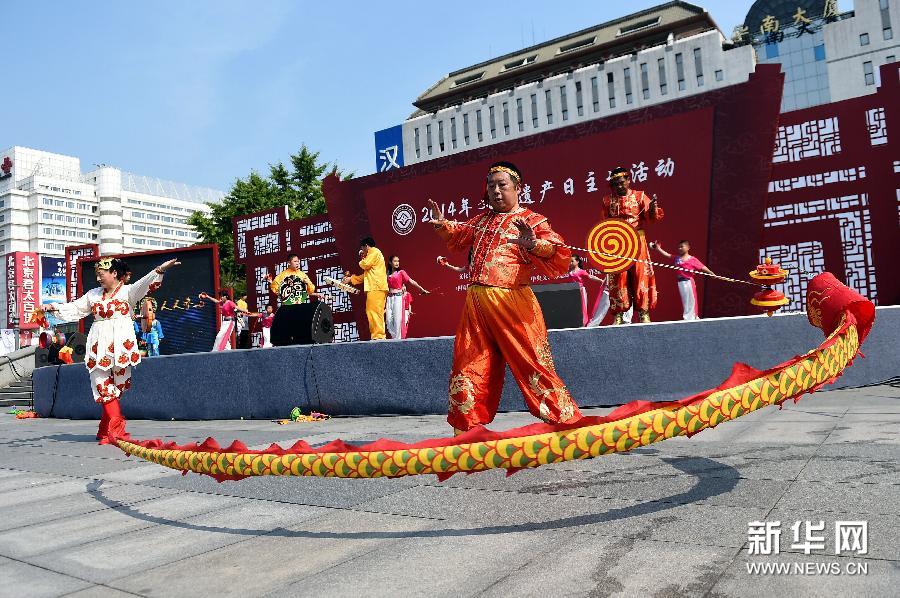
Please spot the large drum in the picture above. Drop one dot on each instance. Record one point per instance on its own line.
(303, 324)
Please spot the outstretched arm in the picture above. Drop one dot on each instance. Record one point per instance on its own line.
(72, 311)
(459, 237)
(140, 289)
(662, 251)
(417, 286)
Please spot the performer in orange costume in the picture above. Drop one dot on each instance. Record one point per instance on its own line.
(502, 322)
(637, 284)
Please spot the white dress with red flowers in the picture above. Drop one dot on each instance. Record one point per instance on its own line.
(111, 344)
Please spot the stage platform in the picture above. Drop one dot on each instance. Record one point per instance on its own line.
(601, 366)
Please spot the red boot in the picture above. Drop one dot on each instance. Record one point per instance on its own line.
(103, 430)
(116, 423)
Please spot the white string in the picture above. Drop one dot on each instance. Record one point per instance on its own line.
(636, 260)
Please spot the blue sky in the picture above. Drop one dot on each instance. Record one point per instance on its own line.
(204, 91)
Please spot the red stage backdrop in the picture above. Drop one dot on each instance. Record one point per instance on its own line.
(262, 242)
(567, 190)
(835, 193)
(707, 158)
(73, 254)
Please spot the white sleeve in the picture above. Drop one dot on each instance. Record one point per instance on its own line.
(139, 290)
(75, 310)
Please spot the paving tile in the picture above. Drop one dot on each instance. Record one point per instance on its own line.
(228, 521)
(77, 530)
(21, 579)
(491, 512)
(322, 492)
(299, 551)
(837, 497)
(73, 498)
(437, 564)
(591, 565)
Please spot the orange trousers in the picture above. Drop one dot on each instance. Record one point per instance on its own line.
(499, 327)
(636, 286)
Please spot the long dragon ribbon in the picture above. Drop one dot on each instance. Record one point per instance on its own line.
(845, 316)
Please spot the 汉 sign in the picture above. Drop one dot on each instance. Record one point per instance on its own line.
(22, 288)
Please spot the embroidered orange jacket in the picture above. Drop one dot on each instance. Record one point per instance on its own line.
(496, 261)
(634, 208)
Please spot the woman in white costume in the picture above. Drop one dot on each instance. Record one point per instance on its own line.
(111, 344)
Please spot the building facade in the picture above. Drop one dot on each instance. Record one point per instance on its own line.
(825, 55)
(47, 203)
(856, 47)
(646, 58)
(650, 57)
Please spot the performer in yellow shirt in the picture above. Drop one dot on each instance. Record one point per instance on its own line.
(374, 281)
(292, 285)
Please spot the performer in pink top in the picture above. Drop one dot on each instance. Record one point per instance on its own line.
(397, 309)
(229, 311)
(578, 274)
(687, 286)
(266, 322)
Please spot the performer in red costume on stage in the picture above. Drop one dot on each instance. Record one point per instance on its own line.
(502, 322)
(636, 285)
(111, 343)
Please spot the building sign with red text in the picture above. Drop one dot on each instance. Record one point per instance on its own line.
(22, 288)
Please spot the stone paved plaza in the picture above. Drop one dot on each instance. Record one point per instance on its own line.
(80, 519)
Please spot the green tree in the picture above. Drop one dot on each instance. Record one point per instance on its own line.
(297, 186)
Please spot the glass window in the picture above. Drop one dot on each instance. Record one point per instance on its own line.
(679, 71)
(564, 102)
(418, 149)
(466, 128)
(453, 132)
(661, 66)
(863, 39)
(579, 100)
(520, 115)
(627, 73)
(887, 33)
(506, 118)
(595, 95)
(478, 125)
(868, 73)
(771, 50)
(492, 119)
(698, 66)
(819, 52)
(611, 89)
(645, 81)
(534, 112)
(720, 75)
(428, 145)
(549, 103)
(441, 135)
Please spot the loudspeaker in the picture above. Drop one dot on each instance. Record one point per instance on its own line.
(41, 357)
(303, 324)
(561, 304)
(78, 342)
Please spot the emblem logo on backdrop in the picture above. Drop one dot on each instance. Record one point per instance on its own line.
(403, 219)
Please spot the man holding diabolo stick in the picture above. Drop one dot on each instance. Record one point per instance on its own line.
(502, 322)
(636, 286)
